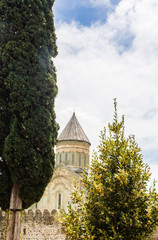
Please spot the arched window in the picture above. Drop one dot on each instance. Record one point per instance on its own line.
(59, 200)
(60, 158)
(85, 162)
(73, 159)
(24, 231)
(79, 159)
(66, 158)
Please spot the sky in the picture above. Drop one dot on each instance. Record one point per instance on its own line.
(109, 49)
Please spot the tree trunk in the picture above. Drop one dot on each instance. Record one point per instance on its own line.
(13, 231)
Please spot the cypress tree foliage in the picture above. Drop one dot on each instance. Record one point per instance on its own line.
(117, 204)
(28, 129)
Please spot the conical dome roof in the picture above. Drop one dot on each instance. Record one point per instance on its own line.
(73, 131)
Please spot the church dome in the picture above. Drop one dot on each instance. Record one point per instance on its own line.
(73, 145)
(73, 131)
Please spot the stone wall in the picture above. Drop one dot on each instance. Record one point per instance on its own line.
(36, 225)
(155, 235)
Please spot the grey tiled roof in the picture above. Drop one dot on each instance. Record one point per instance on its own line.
(73, 131)
(76, 169)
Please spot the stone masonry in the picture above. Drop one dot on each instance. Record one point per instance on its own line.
(36, 225)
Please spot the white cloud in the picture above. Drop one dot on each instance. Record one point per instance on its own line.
(94, 66)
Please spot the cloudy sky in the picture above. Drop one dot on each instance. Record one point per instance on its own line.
(109, 49)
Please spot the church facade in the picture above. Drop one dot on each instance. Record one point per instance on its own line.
(72, 157)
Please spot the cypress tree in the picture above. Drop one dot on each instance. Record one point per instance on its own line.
(28, 129)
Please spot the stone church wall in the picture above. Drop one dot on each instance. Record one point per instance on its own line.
(36, 225)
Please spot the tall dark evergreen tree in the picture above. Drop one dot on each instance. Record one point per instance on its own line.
(28, 129)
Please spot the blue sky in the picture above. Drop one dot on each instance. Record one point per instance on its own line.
(82, 12)
(109, 49)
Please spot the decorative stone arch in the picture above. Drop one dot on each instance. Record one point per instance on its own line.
(55, 182)
(60, 190)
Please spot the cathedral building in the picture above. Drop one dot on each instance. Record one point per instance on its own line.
(72, 157)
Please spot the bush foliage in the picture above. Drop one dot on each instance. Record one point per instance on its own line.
(115, 202)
